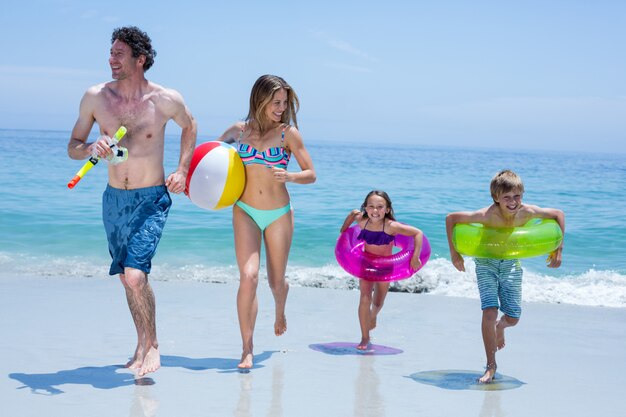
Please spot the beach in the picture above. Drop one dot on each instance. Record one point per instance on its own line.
(65, 340)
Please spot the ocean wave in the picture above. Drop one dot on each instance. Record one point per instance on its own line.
(591, 288)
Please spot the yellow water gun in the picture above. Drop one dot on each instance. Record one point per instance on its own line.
(93, 160)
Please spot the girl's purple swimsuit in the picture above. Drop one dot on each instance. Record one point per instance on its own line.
(375, 238)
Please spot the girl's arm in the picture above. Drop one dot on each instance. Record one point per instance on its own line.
(407, 230)
(354, 215)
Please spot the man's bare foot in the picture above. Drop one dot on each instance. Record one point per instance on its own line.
(364, 345)
(499, 336)
(247, 360)
(151, 362)
(280, 325)
(489, 374)
(135, 362)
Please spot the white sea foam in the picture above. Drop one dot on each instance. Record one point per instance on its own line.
(592, 288)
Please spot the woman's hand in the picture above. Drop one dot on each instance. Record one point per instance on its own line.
(281, 175)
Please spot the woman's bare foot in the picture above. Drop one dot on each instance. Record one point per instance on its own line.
(247, 360)
(489, 374)
(280, 325)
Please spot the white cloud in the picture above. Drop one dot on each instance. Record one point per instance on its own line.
(346, 67)
(343, 46)
(347, 47)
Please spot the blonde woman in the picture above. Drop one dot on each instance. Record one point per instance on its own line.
(266, 141)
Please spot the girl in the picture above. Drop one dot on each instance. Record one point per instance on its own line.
(265, 142)
(378, 227)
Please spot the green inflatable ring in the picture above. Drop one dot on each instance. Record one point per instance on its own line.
(537, 237)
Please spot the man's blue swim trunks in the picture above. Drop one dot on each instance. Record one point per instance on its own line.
(134, 221)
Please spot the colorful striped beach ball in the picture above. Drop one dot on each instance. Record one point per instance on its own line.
(216, 176)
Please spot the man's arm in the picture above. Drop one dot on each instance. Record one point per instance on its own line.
(176, 181)
(78, 148)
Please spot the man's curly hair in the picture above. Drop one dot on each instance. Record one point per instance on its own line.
(139, 42)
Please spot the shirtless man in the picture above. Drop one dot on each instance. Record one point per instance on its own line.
(136, 201)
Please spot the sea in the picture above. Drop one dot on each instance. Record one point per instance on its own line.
(49, 230)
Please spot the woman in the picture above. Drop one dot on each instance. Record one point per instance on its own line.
(266, 140)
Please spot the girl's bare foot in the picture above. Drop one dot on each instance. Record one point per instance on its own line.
(373, 321)
(365, 344)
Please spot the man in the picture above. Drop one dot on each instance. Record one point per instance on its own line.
(136, 201)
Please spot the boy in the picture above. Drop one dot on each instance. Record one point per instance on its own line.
(500, 280)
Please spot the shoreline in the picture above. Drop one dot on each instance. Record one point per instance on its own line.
(65, 338)
(592, 288)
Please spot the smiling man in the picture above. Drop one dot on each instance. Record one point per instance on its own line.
(136, 201)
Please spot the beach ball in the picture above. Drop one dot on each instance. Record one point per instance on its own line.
(216, 176)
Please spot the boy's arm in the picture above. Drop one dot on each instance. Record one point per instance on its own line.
(554, 259)
(461, 217)
(354, 214)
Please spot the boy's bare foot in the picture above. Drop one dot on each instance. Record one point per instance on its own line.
(247, 360)
(489, 374)
(280, 325)
(499, 336)
(364, 345)
(151, 362)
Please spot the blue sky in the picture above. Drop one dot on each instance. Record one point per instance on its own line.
(547, 75)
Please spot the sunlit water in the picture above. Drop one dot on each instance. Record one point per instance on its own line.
(47, 229)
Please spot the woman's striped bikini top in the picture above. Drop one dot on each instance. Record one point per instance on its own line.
(271, 157)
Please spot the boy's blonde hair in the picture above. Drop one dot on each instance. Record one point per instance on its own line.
(505, 181)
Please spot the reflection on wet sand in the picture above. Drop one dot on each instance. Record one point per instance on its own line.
(491, 405)
(367, 399)
(244, 404)
(143, 405)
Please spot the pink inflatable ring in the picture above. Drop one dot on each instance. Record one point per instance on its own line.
(351, 257)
